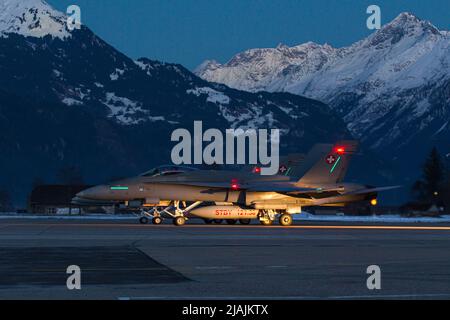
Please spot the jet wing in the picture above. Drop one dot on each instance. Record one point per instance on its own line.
(278, 188)
(337, 199)
(371, 190)
(255, 186)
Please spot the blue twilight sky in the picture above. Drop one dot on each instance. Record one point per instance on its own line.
(191, 31)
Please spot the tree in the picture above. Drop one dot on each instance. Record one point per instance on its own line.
(5, 201)
(431, 187)
(70, 175)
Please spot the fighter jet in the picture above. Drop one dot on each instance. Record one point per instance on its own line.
(180, 192)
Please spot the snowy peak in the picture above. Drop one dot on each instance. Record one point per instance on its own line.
(258, 69)
(405, 25)
(409, 22)
(32, 18)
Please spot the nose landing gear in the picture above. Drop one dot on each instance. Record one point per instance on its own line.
(267, 217)
(266, 222)
(157, 220)
(179, 221)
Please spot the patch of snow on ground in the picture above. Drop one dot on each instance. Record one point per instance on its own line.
(213, 95)
(115, 75)
(123, 109)
(71, 102)
(144, 67)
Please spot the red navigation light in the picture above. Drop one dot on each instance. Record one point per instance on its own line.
(339, 150)
(257, 170)
(234, 184)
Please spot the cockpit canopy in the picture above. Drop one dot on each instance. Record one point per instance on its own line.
(167, 170)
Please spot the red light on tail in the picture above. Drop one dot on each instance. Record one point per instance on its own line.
(339, 150)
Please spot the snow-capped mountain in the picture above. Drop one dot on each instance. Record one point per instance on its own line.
(33, 18)
(268, 69)
(392, 88)
(69, 98)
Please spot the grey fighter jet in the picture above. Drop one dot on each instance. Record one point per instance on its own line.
(179, 192)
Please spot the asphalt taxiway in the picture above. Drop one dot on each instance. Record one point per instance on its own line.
(126, 260)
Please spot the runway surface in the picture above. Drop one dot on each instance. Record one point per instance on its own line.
(125, 260)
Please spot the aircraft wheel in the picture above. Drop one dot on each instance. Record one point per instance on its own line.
(208, 221)
(217, 221)
(143, 220)
(286, 219)
(231, 221)
(179, 221)
(157, 220)
(244, 221)
(267, 222)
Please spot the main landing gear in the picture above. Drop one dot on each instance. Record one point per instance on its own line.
(285, 219)
(266, 222)
(267, 218)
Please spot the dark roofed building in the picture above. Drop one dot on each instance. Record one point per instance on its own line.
(50, 199)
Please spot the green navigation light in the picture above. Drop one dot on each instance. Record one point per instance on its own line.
(287, 172)
(335, 165)
(119, 188)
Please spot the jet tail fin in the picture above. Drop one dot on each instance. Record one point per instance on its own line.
(332, 165)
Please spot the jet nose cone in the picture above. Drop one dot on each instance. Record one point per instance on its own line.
(93, 193)
(81, 194)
